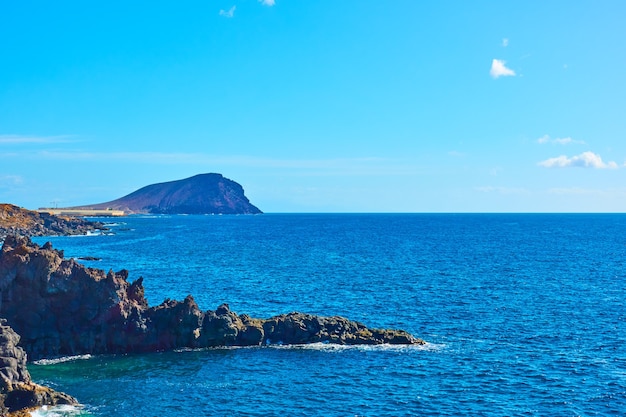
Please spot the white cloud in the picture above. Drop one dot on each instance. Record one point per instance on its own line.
(498, 69)
(19, 139)
(502, 190)
(584, 160)
(559, 141)
(269, 3)
(230, 13)
(505, 42)
(494, 172)
(10, 180)
(574, 191)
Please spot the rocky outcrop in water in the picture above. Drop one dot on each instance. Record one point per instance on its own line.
(17, 391)
(19, 221)
(61, 307)
(200, 194)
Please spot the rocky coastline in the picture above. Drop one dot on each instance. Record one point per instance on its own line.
(60, 307)
(15, 220)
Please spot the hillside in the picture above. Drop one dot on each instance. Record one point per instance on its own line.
(200, 194)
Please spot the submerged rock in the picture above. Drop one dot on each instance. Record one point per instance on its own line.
(60, 307)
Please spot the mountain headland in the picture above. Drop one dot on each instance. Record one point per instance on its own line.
(200, 194)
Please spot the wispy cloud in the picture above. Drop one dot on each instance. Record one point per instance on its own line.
(182, 157)
(456, 154)
(495, 171)
(499, 69)
(574, 191)
(269, 3)
(559, 141)
(10, 180)
(584, 160)
(228, 13)
(20, 139)
(356, 166)
(505, 42)
(502, 190)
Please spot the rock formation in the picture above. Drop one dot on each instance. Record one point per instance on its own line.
(17, 391)
(16, 220)
(60, 307)
(200, 194)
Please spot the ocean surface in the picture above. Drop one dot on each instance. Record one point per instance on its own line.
(524, 315)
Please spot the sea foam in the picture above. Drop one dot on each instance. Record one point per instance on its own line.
(59, 411)
(62, 359)
(332, 347)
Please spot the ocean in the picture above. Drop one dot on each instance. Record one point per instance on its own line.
(523, 314)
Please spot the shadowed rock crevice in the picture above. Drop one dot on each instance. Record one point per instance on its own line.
(17, 391)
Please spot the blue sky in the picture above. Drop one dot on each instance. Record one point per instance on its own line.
(318, 106)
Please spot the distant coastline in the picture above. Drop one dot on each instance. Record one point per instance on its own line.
(15, 220)
(82, 212)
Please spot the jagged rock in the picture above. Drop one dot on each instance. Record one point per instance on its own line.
(17, 391)
(61, 307)
(16, 220)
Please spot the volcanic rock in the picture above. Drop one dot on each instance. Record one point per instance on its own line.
(17, 391)
(60, 307)
(16, 220)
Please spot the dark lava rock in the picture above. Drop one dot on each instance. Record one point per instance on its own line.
(19, 221)
(17, 391)
(60, 307)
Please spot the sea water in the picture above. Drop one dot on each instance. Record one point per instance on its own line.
(524, 315)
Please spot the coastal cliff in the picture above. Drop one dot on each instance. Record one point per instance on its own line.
(200, 194)
(60, 307)
(20, 221)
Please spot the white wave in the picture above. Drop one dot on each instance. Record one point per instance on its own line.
(115, 224)
(62, 359)
(88, 234)
(325, 346)
(59, 411)
(332, 347)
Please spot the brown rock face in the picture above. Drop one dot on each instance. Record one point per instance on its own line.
(61, 307)
(17, 391)
(16, 220)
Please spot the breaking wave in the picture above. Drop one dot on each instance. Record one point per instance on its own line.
(62, 359)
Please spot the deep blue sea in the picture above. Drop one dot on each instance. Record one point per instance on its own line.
(524, 315)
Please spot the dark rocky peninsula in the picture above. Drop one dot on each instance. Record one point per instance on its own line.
(200, 194)
(20, 221)
(60, 307)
